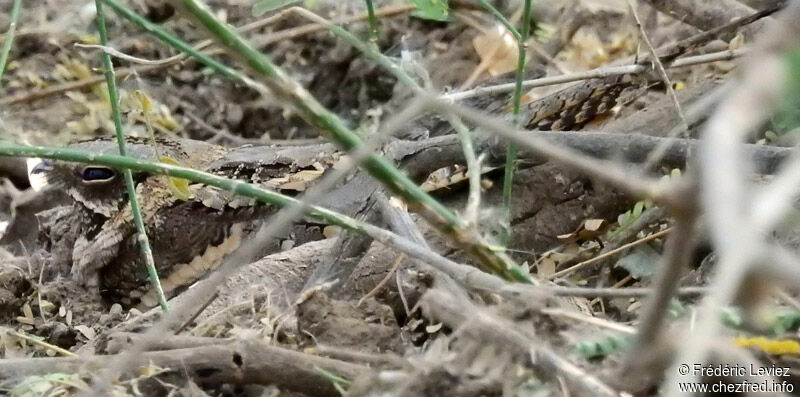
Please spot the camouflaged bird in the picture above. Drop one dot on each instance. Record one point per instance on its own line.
(189, 234)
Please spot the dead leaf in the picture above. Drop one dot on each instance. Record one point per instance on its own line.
(86, 331)
(178, 186)
(433, 328)
(736, 42)
(497, 49)
(594, 225)
(589, 229)
(331, 231)
(546, 266)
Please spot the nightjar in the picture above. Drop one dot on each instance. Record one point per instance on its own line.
(190, 234)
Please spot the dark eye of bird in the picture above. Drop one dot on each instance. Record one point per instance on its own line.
(95, 174)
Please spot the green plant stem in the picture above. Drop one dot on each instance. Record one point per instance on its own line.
(12, 28)
(497, 14)
(257, 193)
(465, 136)
(373, 23)
(511, 153)
(370, 51)
(113, 97)
(175, 42)
(250, 190)
(307, 106)
(282, 85)
(130, 163)
(473, 167)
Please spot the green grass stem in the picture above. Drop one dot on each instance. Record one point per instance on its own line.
(113, 96)
(310, 109)
(9, 39)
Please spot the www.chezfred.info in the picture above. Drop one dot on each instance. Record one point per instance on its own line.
(747, 378)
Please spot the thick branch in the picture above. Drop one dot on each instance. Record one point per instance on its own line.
(241, 362)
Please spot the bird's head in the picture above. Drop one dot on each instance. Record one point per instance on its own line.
(99, 188)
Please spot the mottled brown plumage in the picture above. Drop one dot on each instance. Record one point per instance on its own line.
(577, 105)
(189, 237)
(97, 238)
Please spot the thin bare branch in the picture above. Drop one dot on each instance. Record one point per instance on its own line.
(605, 255)
(479, 323)
(723, 169)
(634, 183)
(659, 66)
(598, 73)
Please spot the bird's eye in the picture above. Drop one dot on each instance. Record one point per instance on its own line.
(98, 174)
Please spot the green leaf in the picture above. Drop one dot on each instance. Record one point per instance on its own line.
(732, 317)
(544, 32)
(641, 262)
(786, 321)
(436, 10)
(782, 321)
(638, 208)
(787, 118)
(676, 309)
(265, 6)
(603, 347)
(623, 219)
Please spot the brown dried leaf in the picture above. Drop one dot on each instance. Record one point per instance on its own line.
(497, 49)
(86, 331)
